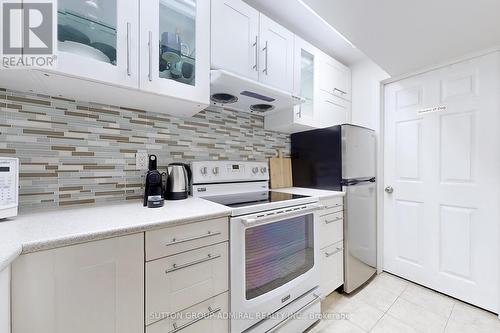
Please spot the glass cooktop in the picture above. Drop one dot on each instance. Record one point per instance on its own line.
(253, 198)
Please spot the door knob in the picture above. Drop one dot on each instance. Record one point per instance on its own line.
(389, 189)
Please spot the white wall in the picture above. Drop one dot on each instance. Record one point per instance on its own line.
(366, 77)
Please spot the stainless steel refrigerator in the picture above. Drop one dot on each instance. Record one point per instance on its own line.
(344, 158)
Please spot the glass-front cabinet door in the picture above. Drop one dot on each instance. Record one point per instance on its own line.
(98, 40)
(305, 78)
(175, 42)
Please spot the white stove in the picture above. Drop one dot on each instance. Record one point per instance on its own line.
(273, 247)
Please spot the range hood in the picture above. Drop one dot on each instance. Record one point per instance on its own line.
(238, 93)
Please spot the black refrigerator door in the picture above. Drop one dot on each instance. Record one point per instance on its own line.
(317, 159)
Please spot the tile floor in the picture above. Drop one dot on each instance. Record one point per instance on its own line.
(389, 304)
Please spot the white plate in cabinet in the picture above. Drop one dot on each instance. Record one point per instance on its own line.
(332, 110)
(332, 206)
(235, 37)
(178, 282)
(111, 53)
(209, 318)
(175, 49)
(91, 287)
(335, 78)
(331, 229)
(170, 241)
(331, 268)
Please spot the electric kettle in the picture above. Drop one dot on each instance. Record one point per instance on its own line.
(178, 180)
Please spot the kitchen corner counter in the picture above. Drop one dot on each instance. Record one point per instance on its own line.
(320, 194)
(38, 231)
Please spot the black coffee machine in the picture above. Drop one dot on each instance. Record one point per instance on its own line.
(153, 193)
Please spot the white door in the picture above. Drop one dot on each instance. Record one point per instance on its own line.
(99, 43)
(175, 48)
(276, 56)
(92, 287)
(335, 78)
(235, 37)
(441, 221)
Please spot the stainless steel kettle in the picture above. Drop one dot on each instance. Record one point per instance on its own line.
(178, 181)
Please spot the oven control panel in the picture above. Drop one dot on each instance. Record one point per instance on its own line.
(228, 171)
(9, 180)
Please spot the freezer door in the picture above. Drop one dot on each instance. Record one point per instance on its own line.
(360, 234)
(359, 152)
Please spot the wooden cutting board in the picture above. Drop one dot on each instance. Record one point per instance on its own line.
(280, 169)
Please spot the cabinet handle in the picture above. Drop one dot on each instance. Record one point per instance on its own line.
(128, 47)
(150, 44)
(176, 267)
(331, 221)
(340, 91)
(256, 44)
(329, 254)
(330, 102)
(204, 316)
(177, 241)
(266, 48)
(334, 206)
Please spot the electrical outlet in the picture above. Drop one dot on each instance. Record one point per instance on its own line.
(141, 160)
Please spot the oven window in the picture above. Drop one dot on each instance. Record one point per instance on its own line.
(276, 253)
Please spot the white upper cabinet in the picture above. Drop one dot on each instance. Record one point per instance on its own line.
(305, 81)
(331, 110)
(335, 78)
(99, 40)
(235, 37)
(276, 56)
(175, 48)
(247, 43)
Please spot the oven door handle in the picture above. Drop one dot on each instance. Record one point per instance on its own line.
(280, 214)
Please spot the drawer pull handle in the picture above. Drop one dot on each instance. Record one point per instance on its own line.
(176, 267)
(331, 221)
(329, 254)
(334, 206)
(204, 316)
(280, 325)
(177, 241)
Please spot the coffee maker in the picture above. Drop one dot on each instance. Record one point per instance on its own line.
(153, 193)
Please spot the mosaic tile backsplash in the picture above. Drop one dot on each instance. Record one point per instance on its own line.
(82, 153)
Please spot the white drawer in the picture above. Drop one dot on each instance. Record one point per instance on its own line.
(331, 229)
(331, 268)
(169, 241)
(178, 282)
(332, 205)
(206, 317)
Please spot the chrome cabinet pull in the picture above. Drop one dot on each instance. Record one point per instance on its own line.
(266, 48)
(331, 207)
(331, 221)
(256, 44)
(177, 241)
(205, 316)
(176, 267)
(129, 42)
(340, 91)
(329, 254)
(292, 316)
(150, 44)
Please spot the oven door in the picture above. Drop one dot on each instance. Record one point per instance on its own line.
(274, 260)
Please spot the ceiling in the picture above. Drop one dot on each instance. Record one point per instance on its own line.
(403, 36)
(299, 18)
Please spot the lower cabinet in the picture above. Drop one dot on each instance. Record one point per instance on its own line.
(331, 236)
(5, 300)
(93, 287)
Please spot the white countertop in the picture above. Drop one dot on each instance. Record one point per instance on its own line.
(37, 231)
(321, 194)
(45, 230)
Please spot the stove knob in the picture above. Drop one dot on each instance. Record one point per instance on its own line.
(203, 170)
(215, 170)
(255, 170)
(263, 169)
